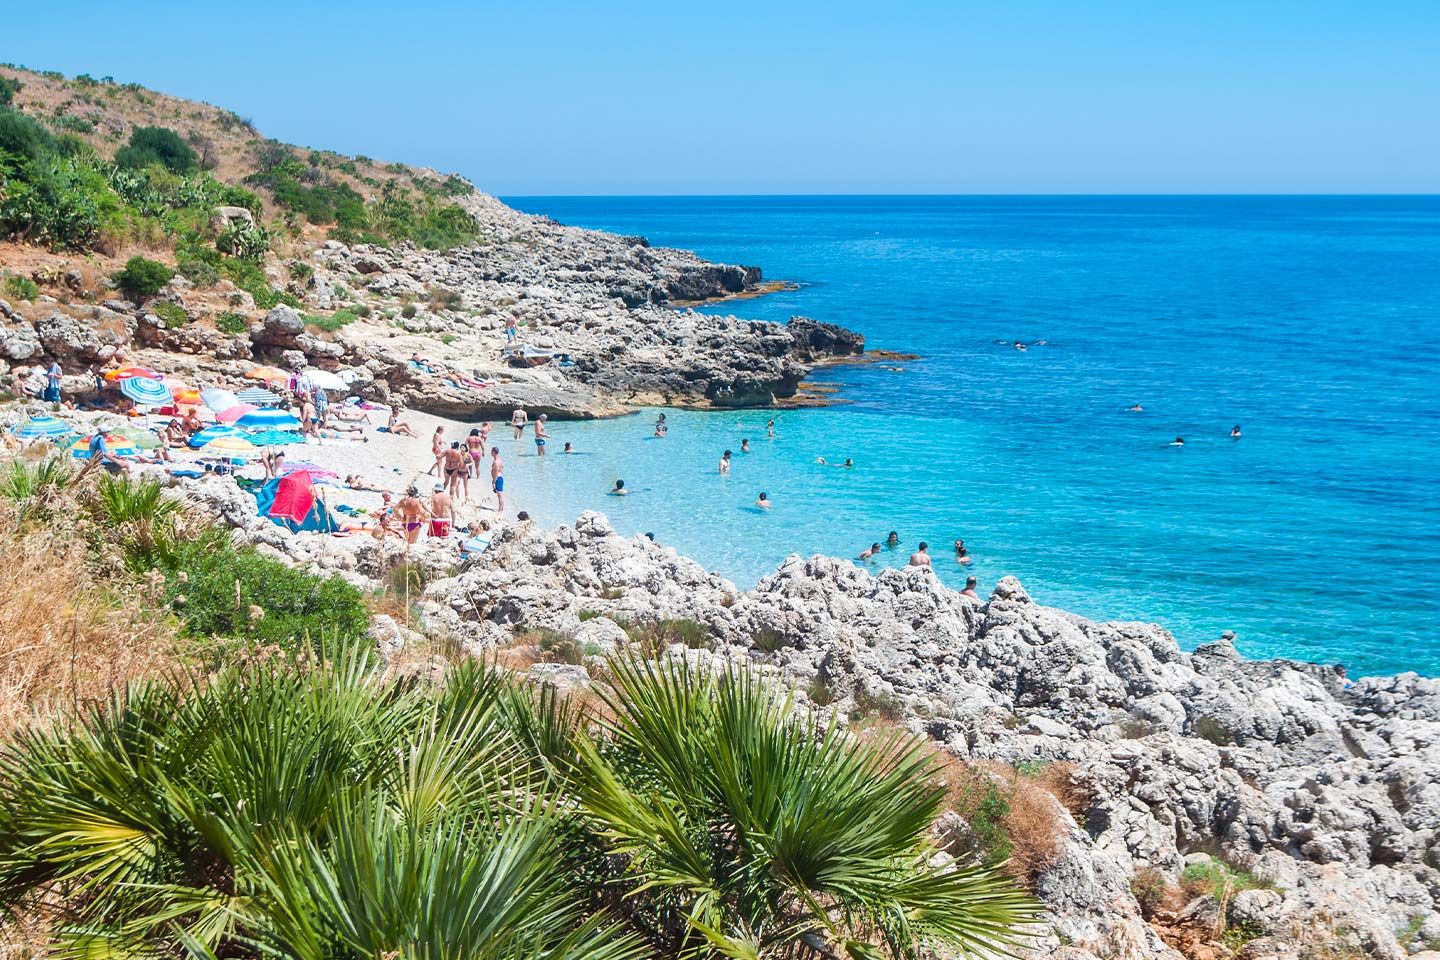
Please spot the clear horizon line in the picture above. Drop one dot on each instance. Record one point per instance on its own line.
(922, 195)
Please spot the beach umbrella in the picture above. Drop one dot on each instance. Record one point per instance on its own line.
(201, 437)
(47, 427)
(325, 380)
(269, 419)
(218, 400)
(183, 392)
(235, 412)
(126, 372)
(275, 438)
(146, 391)
(257, 396)
(267, 374)
(234, 447)
(120, 446)
(321, 477)
(143, 439)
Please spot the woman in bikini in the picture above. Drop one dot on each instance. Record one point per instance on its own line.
(457, 471)
(475, 444)
(411, 513)
(437, 450)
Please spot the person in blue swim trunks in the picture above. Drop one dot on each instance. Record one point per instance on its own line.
(497, 478)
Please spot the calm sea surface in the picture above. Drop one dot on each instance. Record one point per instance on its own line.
(1314, 323)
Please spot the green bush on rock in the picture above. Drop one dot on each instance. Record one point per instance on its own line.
(142, 278)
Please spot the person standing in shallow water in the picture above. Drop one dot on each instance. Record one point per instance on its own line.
(518, 419)
(540, 435)
(770, 429)
(725, 462)
(921, 556)
(497, 479)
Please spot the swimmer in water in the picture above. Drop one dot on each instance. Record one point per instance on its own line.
(969, 590)
(725, 462)
(1136, 408)
(661, 427)
(619, 489)
(744, 446)
(770, 429)
(763, 502)
(869, 552)
(1178, 442)
(961, 554)
(821, 461)
(1020, 346)
(568, 448)
(893, 540)
(1235, 431)
(921, 556)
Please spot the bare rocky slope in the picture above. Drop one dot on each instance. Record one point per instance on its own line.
(1209, 806)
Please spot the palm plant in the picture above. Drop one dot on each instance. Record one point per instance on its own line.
(755, 832)
(313, 812)
(140, 516)
(34, 487)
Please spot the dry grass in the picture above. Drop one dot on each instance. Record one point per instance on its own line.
(1009, 816)
(66, 640)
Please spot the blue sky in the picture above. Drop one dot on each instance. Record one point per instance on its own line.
(804, 97)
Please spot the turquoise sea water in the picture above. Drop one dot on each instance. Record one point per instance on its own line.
(1314, 323)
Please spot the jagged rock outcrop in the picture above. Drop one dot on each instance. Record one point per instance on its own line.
(1330, 791)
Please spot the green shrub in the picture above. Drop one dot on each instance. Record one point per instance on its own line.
(408, 311)
(655, 636)
(767, 640)
(1213, 731)
(173, 314)
(22, 136)
(229, 322)
(142, 278)
(301, 271)
(20, 287)
(238, 592)
(157, 145)
(8, 89)
(1216, 878)
(244, 239)
(331, 323)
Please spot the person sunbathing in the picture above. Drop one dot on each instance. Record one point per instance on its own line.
(397, 426)
(356, 482)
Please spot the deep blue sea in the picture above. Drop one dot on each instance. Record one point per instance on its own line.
(1312, 322)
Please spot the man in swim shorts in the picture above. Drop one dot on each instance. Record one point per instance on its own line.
(540, 435)
(497, 478)
(725, 462)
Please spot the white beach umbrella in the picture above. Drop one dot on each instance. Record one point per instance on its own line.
(325, 380)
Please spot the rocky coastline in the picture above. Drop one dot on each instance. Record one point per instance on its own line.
(596, 308)
(1319, 795)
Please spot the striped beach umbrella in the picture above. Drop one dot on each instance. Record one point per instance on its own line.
(236, 448)
(314, 469)
(269, 419)
(257, 396)
(275, 438)
(119, 445)
(201, 437)
(235, 413)
(43, 427)
(147, 391)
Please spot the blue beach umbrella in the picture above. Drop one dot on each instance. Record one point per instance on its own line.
(258, 396)
(268, 420)
(47, 427)
(143, 390)
(201, 437)
(275, 438)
